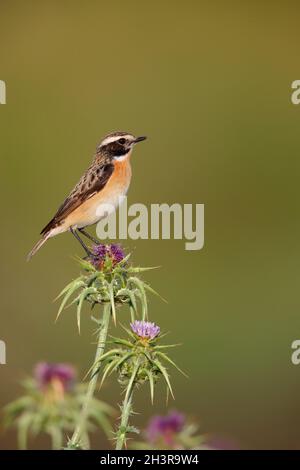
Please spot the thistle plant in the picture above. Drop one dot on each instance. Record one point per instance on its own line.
(139, 359)
(110, 281)
(107, 279)
(51, 404)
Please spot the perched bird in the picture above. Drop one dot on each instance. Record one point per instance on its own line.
(104, 183)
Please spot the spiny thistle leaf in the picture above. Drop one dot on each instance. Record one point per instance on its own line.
(85, 264)
(129, 332)
(24, 423)
(67, 288)
(114, 365)
(154, 292)
(124, 359)
(69, 293)
(104, 357)
(151, 384)
(166, 346)
(130, 294)
(92, 278)
(101, 419)
(140, 286)
(132, 379)
(164, 372)
(132, 269)
(57, 437)
(124, 260)
(81, 299)
(112, 302)
(167, 396)
(132, 314)
(166, 358)
(110, 367)
(124, 342)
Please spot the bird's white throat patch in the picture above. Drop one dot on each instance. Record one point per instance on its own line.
(121, 158)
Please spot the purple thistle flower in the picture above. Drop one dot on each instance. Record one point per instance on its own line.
(114, 251)
(165, 427)
(117, 252)
(46, 374)
(145, 329)
(99, 251)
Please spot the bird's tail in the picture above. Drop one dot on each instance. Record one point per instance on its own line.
(38, 245)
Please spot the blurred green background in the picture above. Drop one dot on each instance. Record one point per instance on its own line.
(210, 84)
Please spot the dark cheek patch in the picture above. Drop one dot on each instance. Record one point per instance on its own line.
(120, 152)
(116, 150)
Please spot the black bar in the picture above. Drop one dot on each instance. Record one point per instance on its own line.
(132, 459)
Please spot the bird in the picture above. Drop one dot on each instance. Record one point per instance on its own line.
(104, 184)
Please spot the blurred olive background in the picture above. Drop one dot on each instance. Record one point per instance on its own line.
(210, 84)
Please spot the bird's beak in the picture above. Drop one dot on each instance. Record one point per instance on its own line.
(140, 139)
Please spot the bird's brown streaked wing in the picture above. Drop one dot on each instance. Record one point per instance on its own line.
(93, 181)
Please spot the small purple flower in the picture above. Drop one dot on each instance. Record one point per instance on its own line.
(145, 329)
(46, 374)
(99, 251)
(114, 252)
(165, 427)
(117, 252)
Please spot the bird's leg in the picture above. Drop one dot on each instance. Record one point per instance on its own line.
(87, 235)
(88, 252)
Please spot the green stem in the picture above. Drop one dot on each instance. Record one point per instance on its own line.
(122, 431)
(126, 411)
(81, 425)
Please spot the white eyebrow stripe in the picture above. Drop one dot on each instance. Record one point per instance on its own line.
(113, 138)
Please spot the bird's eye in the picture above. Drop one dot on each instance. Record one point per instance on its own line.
(122, 141)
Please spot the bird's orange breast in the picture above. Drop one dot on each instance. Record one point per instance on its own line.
(89, 212)
(121, 175)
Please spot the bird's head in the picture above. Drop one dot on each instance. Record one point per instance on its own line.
(118, 145)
